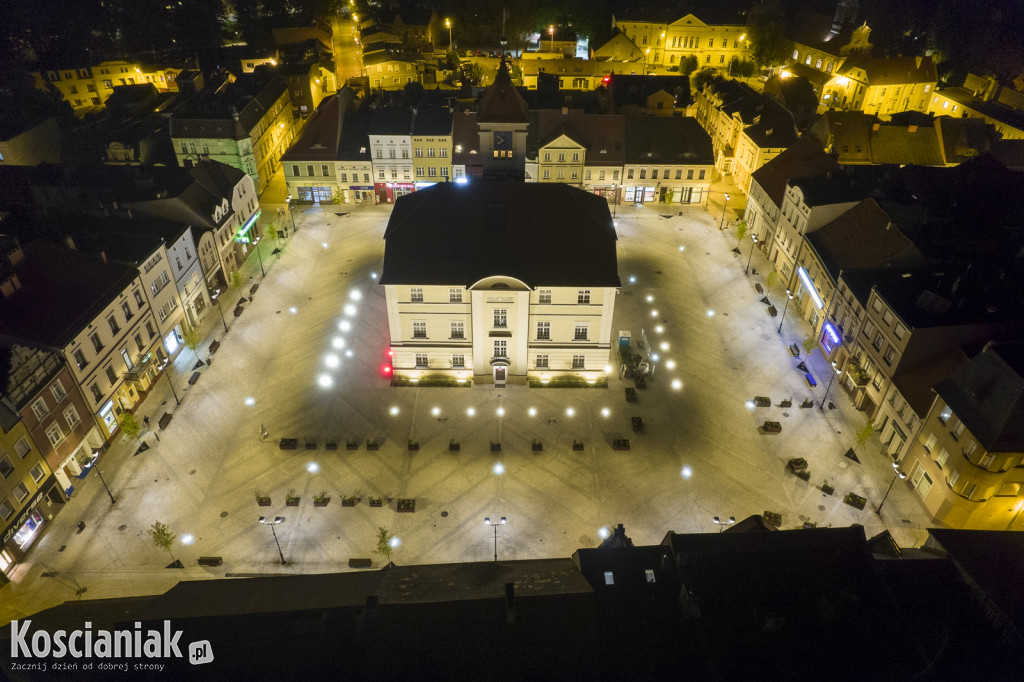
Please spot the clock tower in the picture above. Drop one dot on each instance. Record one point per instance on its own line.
(502, 119)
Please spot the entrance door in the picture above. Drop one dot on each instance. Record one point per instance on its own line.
(922, 482)
(499, 377)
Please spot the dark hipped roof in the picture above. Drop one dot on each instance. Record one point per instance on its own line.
(663, 139)
(815, 31)
(862, 238)
(804, 158)
(987, 395)
(541, 234)
(916, 385)
(61, 291)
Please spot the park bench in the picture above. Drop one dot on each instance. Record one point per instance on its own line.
(193, 379)
(360, 563)
(760, 289)
(210, 561)
(810, 380)
(794, 350)
(165, 420)
(289, 444)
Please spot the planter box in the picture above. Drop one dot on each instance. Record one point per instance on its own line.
(630, 395)
(772, 427)
(372, 445)
(797, 464)
(406, 506)
(376, 503)
(762, 401)
(577, 445)
(638, 424)
(289, 444)
(331, 445)
(351, 445)
(311, 443)
(806, 475)
(773, 518)
(263, 501)
(360, 563)
(809, 525)
(165, 420)
(321, 503)
(620, 444)
(495, 447)
(348, 502)
(210, 561)
(453, 447)
(293, 501)
(537, 446)
(786, 403)
(827, 489)
(413, 446)
(855, 500)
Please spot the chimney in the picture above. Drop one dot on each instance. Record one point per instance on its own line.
(10, 285)
(876, 126)
(510, 603)
(912, 128)
(15, 255)
(69, 242)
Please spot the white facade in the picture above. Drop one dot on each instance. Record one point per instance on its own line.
(500, 330)
(799, 218)
(188, 277)
(158, 284)
(392, 158)
(112, 358)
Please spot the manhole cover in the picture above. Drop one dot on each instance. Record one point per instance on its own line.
(122, 527)
(707, 253)
(444, 515)
(726, 314)
(627, 293)
(62, 548)
(785, 414)
(223, 515)
(192, 473)
(277, 312)
(821, 507)
(657, 272)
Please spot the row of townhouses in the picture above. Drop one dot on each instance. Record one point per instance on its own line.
(94, 309)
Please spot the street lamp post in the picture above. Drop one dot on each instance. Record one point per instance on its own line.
(789, 297)
(725, 203)
(722, 524)
(169, 382)
(288, 203)
(96, 468)
(896, 474)
(487, 522)
(835, 372)
(551, 32)
(753, 239)
(448, 25)
(276, 521)
(216, 297)
(615, 200)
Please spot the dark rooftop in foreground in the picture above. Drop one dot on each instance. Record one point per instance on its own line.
(543, 234)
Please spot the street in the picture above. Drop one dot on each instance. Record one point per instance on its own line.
(304, 360)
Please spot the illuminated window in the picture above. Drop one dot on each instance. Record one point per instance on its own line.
(419, 330)
(458, 361)
(544, 296)
(543, 331)
(583, 297)
(578, 361)
(416, 295)
(421, 359)
(455, 295)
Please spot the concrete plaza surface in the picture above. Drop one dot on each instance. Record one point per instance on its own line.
(702, 453)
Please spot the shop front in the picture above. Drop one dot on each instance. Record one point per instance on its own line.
(387, 192)
(360, 194)
(638, 195)
(608, 193)
(25, 529)
(317, 195)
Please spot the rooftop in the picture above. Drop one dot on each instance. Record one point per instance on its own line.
(664, 139)
(542, 234)
(804, 158)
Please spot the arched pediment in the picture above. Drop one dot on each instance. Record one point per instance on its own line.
(500, 283)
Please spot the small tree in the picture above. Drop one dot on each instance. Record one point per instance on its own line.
(235, 280)
(162, 537)
(772, 278)
(688, 65)
(741, 231)
(272, 232)
(384, 547)
(192, 341)
(809, 344)
(865, 432)
(130, 425)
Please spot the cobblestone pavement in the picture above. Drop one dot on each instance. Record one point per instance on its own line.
(702, 452)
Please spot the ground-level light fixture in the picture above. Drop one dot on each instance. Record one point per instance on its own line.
(312, 467)
(532, 412)
(677, 384)
(671, 364)
(277, 521)
(650, 299)
(188, 539)
(654, 313)
(569, 412)
(355, 295)
(500, 411)
(723, 524)
(471, 411)
(338, 342)
(495, 524)
(393, 411)
(332, 360)
(435, 411)
(605, 412)
(498, 469)
(325, 381)
(686, 472)
(250, 401)
(349, 309)
(664, 345)
(293, 310)
(344, 326)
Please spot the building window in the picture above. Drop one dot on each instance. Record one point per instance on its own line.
(580, 333)
(877, 343)
(97, 395)
(96, 343)
(654, 174)
(419, 330)
(543, 331)
(325, 170)
(544, 296)
(37, 473)
(22, 447)
(111, 375)
(578, 361)
(643, 173)
(458, 330)
(890, 353)
(943, 456)
(79, 357)
(542, 362)
(455, 295)
(20, 492)
(55, 435)
(946, 413)
(6, 509)
(295, 171)
(5, 466)
(458, 361)
(150, 329)
(127, 309)
(71, 416)
(500, 318)
(421, 359)
(500, 348)
(583, 297)
(416, 295)
(39, 409)
(929, 443)
(957, 430)
(700, 175)
(138, 342)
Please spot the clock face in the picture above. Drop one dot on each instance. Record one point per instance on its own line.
(503, 139)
